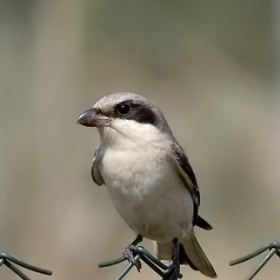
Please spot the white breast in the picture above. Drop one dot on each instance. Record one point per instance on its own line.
(146, 189)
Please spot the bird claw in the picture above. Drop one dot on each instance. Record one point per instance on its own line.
(129, 254)
(172, 273)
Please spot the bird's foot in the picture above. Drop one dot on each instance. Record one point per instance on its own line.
(129, 253)
(173, 272)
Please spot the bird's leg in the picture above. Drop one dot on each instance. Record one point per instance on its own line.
(129, 252)
(173, 271)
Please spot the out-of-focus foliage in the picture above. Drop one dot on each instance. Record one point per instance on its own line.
(213, 69)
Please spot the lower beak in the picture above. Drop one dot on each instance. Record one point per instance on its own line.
(92, 118)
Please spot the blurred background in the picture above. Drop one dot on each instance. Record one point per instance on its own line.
(213, 67)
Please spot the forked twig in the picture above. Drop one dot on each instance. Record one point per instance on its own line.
(9, 261)
(273, 247)
(140, 253)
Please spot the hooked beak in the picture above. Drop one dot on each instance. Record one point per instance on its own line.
(93, 118)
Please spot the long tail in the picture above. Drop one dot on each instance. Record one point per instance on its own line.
(197, 256)
(190, 253)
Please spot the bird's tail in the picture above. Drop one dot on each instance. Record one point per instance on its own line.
(190, 253)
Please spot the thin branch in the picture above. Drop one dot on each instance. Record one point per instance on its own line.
(273, 247)
(140, 253)
(9, 261)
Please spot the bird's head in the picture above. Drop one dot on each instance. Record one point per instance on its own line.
(126, 115)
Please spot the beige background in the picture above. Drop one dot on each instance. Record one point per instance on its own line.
(213, 69)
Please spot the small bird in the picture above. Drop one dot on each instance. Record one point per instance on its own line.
(149, 178)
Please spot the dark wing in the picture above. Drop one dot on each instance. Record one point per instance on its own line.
(189, 178)
(95, 172)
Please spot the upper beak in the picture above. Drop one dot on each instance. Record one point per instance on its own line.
(93, 118)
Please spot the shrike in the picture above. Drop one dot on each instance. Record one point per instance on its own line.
(149, 178)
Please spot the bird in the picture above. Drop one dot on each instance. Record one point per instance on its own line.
(149, 179)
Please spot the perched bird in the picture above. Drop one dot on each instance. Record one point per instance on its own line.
(149, 178)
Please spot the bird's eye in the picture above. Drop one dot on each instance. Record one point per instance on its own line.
(123, 109)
